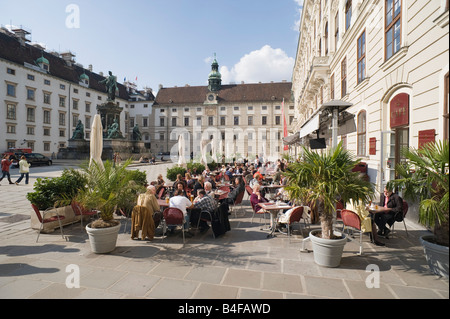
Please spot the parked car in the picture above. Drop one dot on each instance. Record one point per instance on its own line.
(38, 159)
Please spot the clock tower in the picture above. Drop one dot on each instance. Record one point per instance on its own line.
(215, 78)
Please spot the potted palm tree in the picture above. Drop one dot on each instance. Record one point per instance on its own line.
(107, 188)
(321, 180)
(424, 177)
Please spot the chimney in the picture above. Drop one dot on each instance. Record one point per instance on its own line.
(160, 86)
(90, 68)
(21, 34)
(68, 57)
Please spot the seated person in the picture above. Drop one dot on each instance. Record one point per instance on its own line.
(239, 187)
(182, 203)
(200, 184)
(257, 198)
(159, 183)
(393, 204)
(179, 180)
(180, 187)
(190, 182)
(153, 160)
(367, 224)
(202, 202)
(208, 189)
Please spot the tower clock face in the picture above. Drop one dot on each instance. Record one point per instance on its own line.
(210, 97)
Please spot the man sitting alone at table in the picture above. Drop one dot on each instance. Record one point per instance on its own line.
(182, 203)
(393, 204)
(202, 203)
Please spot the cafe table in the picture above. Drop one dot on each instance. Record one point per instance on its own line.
(273, 209)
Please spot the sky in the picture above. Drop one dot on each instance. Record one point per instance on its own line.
(167, 42)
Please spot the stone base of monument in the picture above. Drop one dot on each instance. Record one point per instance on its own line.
(80, 150)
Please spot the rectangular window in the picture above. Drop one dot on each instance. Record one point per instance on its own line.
(46, 147)
(161, 136)
(348, 14)
(210, 121)
(326, 38)
(74, 120)
(199, 121)
(62, 119)
(88, 107)
(75, 104)
(11, 129)
(46, 132)
(62, 86)
(62, 133)
(277, 120)
(264, 120)
(361, 57)
(11, 111)
(30, 114)
(47, 117)
(30, 94)
(145, 122)
(344, 77)
(30, 130)
(62, 101)
(332, 87)
(174, 121)
(250, 120)
(11, 71)
(161, 121)
(336, 30)
(236, 120)
(87, 122)
(46, 82)
(46, 98)
(186, 121)
(393, 27)
(11, 90)
(222, 120)
(30, 77)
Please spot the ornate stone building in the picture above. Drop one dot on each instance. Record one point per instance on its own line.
(374, 75)
(236, 119)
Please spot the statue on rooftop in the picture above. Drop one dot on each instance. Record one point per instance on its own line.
(111, 86)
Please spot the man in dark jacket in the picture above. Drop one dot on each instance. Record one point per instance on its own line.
(393, 205)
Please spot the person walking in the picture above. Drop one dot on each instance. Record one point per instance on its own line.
(6, 163)
(24, 170)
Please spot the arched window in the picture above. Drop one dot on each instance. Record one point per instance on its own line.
(326, 38)
(362, 133)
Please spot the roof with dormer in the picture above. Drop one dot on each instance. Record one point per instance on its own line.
(232, 93)
(13, 51)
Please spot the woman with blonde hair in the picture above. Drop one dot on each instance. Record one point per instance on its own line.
(24, 170)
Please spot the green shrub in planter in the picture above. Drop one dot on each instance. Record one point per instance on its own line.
(174, 171)
(47, 191)
(196, 168)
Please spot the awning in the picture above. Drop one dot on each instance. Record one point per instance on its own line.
(291, 139)
(310, 126)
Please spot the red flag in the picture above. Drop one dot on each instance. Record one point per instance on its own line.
(285, 130)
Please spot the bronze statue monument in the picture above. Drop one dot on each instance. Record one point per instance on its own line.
(111, 86)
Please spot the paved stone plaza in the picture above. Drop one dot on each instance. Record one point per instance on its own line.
(242, 264)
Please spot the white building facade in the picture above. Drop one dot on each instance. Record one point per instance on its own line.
(43, 95)
(388, 62)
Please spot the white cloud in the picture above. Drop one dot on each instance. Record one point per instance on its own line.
(264, 65)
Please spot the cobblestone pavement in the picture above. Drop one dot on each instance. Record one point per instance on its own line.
(242, 264)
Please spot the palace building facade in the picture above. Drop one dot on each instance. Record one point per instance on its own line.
(374, 75)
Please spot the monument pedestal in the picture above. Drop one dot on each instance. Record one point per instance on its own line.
(77, 149)
(110, 114)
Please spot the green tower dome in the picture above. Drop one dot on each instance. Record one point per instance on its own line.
(214, 78)
(42, 60)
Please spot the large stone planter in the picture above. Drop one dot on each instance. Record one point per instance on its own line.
(436, 255)
(103, 240)
(327, 252)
